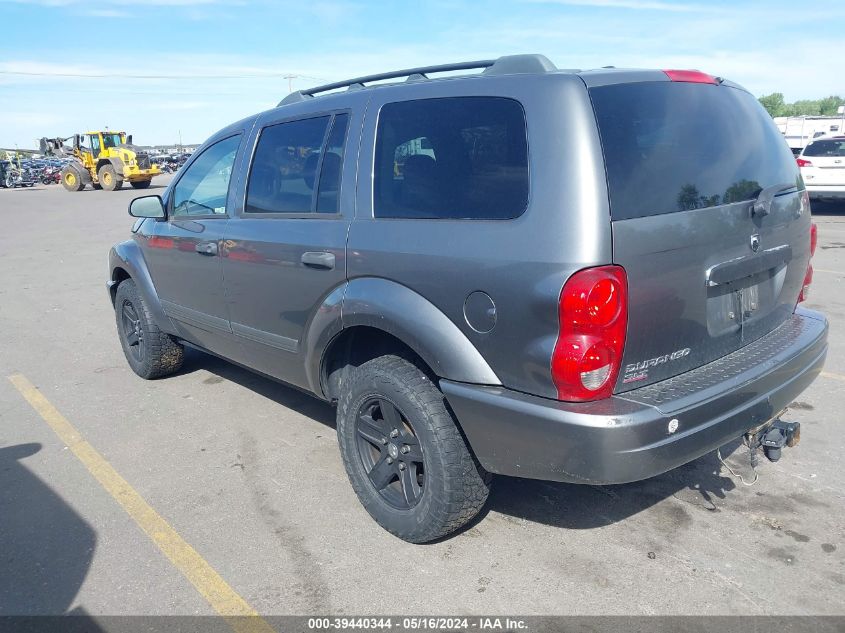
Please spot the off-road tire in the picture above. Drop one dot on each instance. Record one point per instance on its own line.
(161, 354)
(455, 487)
(72, 179)
(109, 178)
(140, 184)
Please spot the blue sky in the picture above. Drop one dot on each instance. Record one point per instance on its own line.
(64, 63)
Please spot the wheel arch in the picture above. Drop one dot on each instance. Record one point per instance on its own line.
(114, 162)
(381, 316)
(127, 262)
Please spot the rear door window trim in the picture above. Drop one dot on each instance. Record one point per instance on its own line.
(243, 214)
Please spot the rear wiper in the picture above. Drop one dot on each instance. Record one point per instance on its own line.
(763, 204)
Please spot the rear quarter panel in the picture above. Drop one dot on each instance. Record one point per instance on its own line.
(522, 263)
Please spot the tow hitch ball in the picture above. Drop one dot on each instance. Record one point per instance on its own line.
(773, 438)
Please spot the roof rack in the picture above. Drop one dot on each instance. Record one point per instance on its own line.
(506, 65)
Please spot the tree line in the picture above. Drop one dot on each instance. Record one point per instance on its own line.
(776, 105)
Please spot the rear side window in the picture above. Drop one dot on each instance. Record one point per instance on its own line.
(453, 158)
(829, 148)
(296, 167)
(673, 146)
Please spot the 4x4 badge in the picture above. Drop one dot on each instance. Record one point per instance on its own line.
(755, 242)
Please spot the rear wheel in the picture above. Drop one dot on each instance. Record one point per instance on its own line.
(72, 179)
(150, 352)
(140, 184)
(109, 178)
(405, 457)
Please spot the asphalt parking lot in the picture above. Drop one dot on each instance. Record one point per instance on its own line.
(247, 473)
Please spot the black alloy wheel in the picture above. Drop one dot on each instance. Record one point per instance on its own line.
(390, 453)
(132, 330)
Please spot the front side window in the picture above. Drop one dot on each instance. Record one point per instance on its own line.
(284, 169)
(452, 158)
(204, 187)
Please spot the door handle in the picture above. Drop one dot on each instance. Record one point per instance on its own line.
(318, 259)
(206, 248)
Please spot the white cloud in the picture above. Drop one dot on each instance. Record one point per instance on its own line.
(637, 5)
(86, 3)
(106, 13)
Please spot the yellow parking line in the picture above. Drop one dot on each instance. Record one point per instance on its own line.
(832, 272)
(828, 374)
(240, 616)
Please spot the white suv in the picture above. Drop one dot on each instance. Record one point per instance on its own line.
(822, 165)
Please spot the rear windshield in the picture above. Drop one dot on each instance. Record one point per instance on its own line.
(832, 148)
(673, 146)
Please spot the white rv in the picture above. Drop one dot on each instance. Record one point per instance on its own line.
(801, 130)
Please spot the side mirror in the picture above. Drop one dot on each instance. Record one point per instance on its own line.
(147, 207)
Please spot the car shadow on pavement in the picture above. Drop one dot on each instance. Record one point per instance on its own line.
(827, 207)
(46, 548)
(578, 506)
(287, 396)
(570, 506)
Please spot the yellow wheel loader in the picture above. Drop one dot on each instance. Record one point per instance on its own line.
(104, 160)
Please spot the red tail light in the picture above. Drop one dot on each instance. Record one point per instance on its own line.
(803, 163)
(691, 76)
(593, 319)
(808, 276)
(814, 238)
(805, 287)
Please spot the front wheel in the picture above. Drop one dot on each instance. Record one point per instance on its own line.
(150, 352)
(404, 455)
(109, 178)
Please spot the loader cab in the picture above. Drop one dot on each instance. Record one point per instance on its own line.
(104, 141)
(113, 139)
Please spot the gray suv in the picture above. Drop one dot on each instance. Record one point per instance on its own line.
(587, 277)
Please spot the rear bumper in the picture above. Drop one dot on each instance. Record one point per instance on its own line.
(626, 438)
(826, 191)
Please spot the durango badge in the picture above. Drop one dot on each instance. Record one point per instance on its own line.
(635, 372)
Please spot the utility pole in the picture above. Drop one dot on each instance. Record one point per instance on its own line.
(290, 79)
(181, 149)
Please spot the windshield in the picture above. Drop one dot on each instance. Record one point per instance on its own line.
(672, 146)
(111, 140)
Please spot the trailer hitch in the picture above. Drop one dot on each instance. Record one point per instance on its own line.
(778, 434)
(771, 437)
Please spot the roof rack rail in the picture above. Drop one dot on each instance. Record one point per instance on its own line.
(508, 64)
